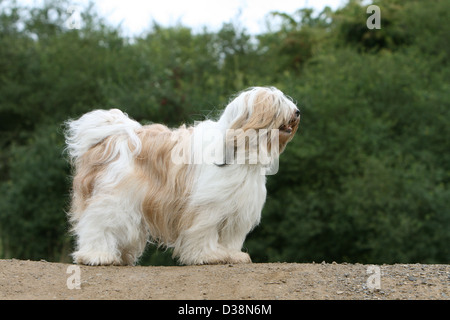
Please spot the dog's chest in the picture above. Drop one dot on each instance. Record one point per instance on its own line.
(230, 190)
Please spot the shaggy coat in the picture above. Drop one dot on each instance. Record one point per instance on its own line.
(199, 190)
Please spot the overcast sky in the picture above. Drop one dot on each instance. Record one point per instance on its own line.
(136, 16)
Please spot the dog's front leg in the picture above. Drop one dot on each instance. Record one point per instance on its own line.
(200, 245)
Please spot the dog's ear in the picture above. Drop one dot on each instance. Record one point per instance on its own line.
(256, 108)
(252, 112)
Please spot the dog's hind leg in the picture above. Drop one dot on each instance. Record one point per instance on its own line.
(109, 232)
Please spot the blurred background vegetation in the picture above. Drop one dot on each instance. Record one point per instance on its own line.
(366, 179)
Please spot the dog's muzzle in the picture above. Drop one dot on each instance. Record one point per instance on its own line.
(293, 122)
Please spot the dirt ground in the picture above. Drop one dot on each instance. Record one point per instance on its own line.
(44, 280)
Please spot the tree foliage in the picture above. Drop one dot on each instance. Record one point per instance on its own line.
(365, 180)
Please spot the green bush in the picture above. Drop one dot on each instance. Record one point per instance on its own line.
(365, 180)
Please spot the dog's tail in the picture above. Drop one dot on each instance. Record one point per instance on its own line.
(95, 126)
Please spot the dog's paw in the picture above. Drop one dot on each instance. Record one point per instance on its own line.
(96, 259)
(229, 258)
(239, 257)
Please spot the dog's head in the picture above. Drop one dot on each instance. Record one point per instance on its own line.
(259, 118)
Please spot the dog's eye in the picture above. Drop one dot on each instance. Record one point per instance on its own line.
(297, 113)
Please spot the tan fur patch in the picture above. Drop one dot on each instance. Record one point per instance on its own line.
(168, 185)
(87, 170)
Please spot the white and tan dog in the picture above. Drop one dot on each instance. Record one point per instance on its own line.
(199, 190)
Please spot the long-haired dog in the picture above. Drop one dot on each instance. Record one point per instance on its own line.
(199, 190)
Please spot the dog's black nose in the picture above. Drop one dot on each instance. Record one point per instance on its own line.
(297, 113)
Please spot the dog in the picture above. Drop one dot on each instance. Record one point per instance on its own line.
(199, 189)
